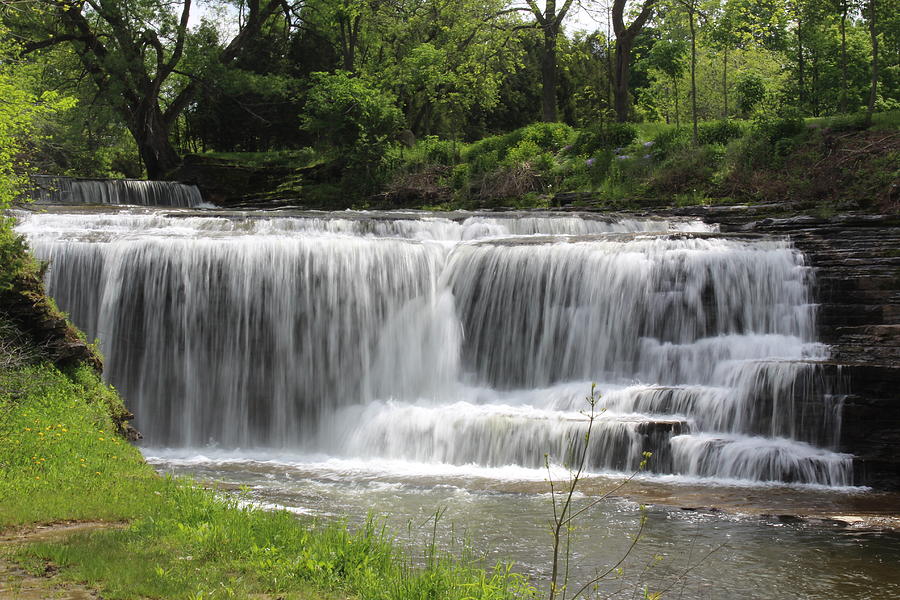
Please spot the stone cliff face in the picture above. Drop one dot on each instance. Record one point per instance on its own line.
(857, 266)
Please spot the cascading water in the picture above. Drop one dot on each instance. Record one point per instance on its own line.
(66, 190)
(470, 339)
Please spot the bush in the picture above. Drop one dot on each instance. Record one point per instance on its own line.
(547, 136)
(688, 169)
(848, 123)
(606, 137)
(719, 132)
(535, 143)
(670, 141)
(778, 128)
(751, 90)
(439, 152)
(13, 253)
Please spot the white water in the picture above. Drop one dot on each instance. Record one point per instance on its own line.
(66, 190)
(466, 340)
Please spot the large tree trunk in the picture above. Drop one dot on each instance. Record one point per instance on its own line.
(151, 133)
(549, 76)
(624, 43)
(349, 41)
(622, 78)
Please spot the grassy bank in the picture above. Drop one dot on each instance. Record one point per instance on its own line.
(841, 163)
(59, 460)
(804, 165)
(62, 459)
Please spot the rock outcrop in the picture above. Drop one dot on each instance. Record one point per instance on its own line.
(26, 306)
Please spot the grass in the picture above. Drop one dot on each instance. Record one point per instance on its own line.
(282, 158)
(60, 461)
(769, 160)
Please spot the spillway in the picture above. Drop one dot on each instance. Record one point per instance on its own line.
(462, 339)
(68, 190)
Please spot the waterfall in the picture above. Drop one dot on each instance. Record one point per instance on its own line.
(67, 190)
(463, 339)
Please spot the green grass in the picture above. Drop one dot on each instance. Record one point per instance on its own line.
(60, 461)
(284, 158)
(881, 121)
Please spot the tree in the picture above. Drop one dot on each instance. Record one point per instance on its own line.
(872, 18)
(132, 51)
(550, 22)
(354, 117)
(21, 110)
(625, 37)
(725, 37)
(692, 8)
(668, 57)
(844, 7)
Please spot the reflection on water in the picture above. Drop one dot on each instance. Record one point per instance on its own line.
(504, 513)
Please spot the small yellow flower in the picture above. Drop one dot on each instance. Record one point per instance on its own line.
(98, 472)
(101, 439)
(28, 429)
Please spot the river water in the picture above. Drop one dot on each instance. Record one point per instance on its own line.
(401, 363)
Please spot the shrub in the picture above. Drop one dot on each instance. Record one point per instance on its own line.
(439, 152)
(778, 128)
(690, 168)
(536, 143)
(670, 141)
(548, 136)
(13, 255)
(751, 90)
(606, 137)
(459, 177)
(719, 132)
(847, 123)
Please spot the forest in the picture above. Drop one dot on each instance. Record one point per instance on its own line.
(433, 99)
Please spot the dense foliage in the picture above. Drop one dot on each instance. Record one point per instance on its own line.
(157, 79)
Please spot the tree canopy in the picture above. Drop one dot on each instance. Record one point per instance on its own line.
(155, 79)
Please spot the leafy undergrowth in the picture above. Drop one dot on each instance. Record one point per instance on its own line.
(838, 163)
(60, 461)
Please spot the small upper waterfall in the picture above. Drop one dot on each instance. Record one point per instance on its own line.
(467, 338)
(67, 190)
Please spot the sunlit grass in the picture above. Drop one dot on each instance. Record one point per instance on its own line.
(59, 460)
